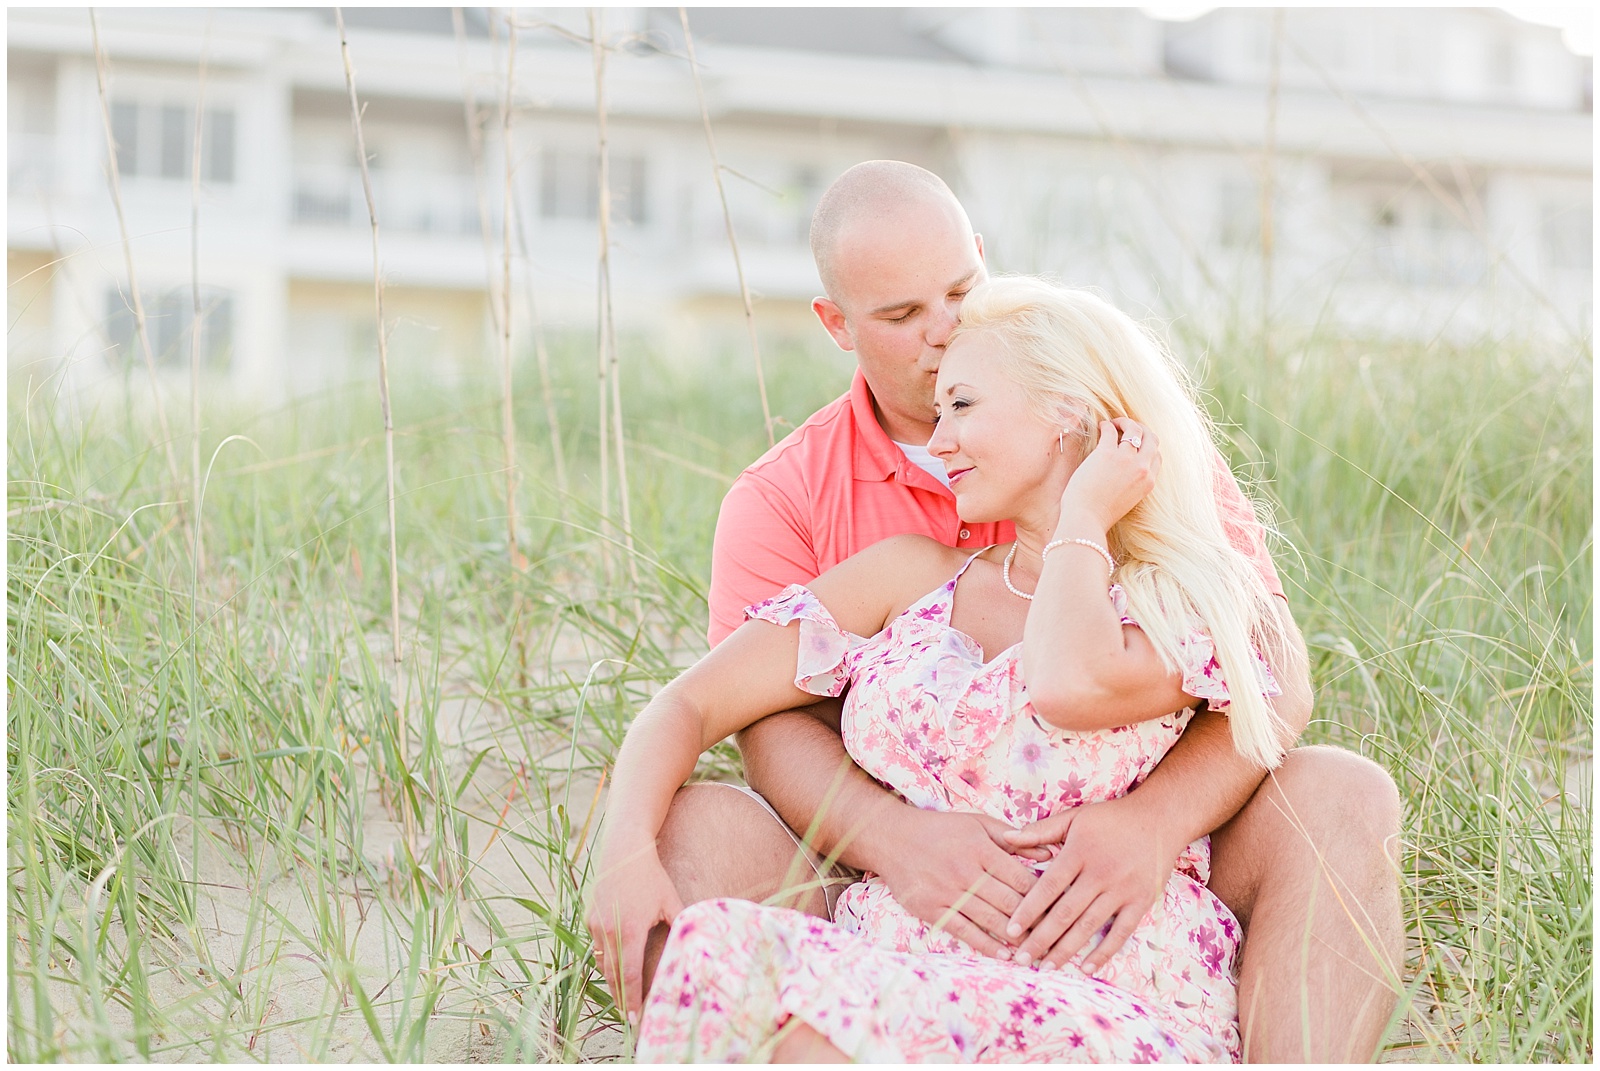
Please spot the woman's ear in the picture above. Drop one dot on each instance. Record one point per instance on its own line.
(1077, 425)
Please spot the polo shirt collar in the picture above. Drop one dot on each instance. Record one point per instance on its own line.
(877, 457)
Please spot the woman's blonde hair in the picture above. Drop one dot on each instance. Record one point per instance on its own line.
(1081, 361)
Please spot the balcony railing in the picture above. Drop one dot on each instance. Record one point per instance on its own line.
(429, 204)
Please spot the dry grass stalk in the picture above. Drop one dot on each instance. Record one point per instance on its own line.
(470, 116)
(508, 426)
(1268, 181)
(401, 743)
(476, 150)
(609, 376)
(197, 320)
(114, 174)
(727, 219)
(542, 353)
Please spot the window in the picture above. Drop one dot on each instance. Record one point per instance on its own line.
(1413, 235)
(157, 141)
(169, 320)
(569, 186)
(1420, 241)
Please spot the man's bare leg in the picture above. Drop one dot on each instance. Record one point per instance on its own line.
(1309, 867)
(718, 842)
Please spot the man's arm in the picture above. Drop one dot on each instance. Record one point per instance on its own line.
(947, 869)
(1200, 784)
(938, 866)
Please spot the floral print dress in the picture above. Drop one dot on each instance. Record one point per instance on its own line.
(928, 717)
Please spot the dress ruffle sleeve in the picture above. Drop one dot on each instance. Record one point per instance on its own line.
(821, 668)
(1202, 673)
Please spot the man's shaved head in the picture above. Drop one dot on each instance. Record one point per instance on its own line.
(871, 191)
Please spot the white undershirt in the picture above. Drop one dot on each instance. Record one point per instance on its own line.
(925, 461)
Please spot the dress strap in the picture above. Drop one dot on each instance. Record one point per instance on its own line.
(970, 560)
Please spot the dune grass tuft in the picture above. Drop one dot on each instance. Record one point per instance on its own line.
(204, 862)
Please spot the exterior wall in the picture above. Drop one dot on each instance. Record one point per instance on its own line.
(1432, 172)
(30, 307)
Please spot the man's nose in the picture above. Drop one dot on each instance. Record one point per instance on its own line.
(942, 322)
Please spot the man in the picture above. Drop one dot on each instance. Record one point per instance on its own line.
(1302, 858)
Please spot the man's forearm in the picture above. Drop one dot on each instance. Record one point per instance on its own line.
(800, 766)
(1204, 781)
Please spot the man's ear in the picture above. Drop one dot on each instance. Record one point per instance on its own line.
(832, 317)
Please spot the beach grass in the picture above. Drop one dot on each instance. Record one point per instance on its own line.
(206, 851)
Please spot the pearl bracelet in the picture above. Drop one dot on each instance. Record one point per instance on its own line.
(1111, 563)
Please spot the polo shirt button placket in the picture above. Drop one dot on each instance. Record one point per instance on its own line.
(966, 533)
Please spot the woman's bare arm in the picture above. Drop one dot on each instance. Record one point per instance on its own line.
(1085, 669)
(746, 677)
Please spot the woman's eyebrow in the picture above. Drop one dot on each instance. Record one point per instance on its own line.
(951, 389)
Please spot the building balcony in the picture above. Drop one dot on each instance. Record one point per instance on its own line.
(442, 204)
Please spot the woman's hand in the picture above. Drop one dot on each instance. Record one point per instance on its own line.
(1116, 475)
(632, 894)
(1113, 863)
(953, 870)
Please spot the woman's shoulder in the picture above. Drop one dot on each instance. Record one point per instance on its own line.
(912, 560)
(875, 583)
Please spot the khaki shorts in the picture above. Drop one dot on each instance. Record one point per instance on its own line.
(833, 878)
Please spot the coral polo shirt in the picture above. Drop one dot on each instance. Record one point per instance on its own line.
(837, 484)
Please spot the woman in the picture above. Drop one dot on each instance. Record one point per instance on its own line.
(1121, 604)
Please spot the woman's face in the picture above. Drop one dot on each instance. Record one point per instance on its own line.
(1003, 460)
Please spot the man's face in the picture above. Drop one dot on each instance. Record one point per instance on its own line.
(899, 280)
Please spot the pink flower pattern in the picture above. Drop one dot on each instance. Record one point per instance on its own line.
(928, 717)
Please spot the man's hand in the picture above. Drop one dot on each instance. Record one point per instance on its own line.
(630, 897)
(956, 872)
(1113, 863)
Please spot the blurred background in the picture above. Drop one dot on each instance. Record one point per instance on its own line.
(314, 686)
(1408, 174)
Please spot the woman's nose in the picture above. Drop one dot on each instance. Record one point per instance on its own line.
(943, 442)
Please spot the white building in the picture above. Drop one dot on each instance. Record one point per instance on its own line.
(1397, 172)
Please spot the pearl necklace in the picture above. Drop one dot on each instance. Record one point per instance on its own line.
(1005, 574)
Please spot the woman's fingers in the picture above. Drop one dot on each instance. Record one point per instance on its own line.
(963, 929)
(1056, 879)
(1127, 921)
(1063, 913)
(983, 914)
(1091, 919)
(608, 953)
(1051, 831)
(1008, 871)
(633, 975)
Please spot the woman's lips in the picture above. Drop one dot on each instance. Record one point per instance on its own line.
(956, 474)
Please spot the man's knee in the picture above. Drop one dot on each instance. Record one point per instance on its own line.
(1323, 795)
(719, 842)
(1324, 810)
